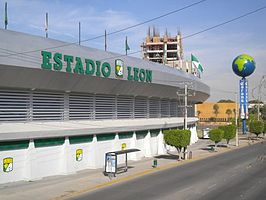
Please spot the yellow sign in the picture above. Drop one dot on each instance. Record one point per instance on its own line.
(124, 146)
(79, 155)
(8, 164)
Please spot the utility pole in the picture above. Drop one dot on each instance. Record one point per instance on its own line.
(185, 95)
(79, 32)
(46, 25)
(236, 116)
(260, 92)
(105, 42)
(6, 21)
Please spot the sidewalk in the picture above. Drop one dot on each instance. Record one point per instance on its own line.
(61, 187)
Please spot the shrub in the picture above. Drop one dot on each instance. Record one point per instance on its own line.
(177, 138)
(233, 122)
(216, 135)
(256, 127)
(229, 132)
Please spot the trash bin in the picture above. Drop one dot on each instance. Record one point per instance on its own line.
(155, 163)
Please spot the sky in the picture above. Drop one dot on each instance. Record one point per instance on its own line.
(216, 49)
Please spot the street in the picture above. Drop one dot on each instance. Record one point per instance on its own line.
(238, 174)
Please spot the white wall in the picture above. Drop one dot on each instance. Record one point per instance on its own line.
(47, 161)
(19, 165)
(86, 162)
(154, 145)
(35, 163)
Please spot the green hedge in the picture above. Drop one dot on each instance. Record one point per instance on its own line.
(229, 132)
(177, 138)
(216, 135)
(256, 127)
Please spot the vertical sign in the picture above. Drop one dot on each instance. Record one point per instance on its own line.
(124, 146)
(243, 86)
(79, 155)
(246, 98)
(8, 164)
(119, 68)
(242, 98)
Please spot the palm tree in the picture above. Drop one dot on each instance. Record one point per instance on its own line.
(198, 113)
(229, 113)
(216, 110)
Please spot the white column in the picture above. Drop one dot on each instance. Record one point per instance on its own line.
(161, 145)
(133, 156)
(66, 164)
(116, 143)
(147, 143)
(29, 175)
(194, 136)
(94, 155)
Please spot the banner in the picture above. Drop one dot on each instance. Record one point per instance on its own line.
(243, 86)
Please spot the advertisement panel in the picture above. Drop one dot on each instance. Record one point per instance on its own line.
(110, 163)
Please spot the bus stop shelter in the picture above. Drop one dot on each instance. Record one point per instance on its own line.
(111, 166)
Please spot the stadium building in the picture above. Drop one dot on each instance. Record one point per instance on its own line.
(63, 106)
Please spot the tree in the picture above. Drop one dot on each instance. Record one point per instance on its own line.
(179, 139)
(198, 112)
(216, 135)
(225, 101)
(256, 127)
(251, 117)
(216, 110)
(229, 132)
(263, 112)
(229, 113)
(254, 101)
(264, 131)
(254, 110)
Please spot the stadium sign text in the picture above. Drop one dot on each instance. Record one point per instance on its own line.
(71, 64)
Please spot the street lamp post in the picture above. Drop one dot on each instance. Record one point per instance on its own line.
(236, 116)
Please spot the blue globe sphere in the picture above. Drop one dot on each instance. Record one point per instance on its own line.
(243, 65)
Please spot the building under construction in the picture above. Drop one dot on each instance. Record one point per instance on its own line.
(167, 50)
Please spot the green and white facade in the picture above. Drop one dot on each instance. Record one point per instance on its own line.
(63, 106)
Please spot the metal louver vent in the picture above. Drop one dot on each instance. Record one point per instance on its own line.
(81, 107)
(40, 105)
(47, 106)
(154, 108)
(191, 110)
(140, 107)
(173, 108)
(14, 105)
(165, 108)
(125, 107)
(105, 107)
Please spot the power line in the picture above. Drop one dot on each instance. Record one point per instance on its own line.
(212, 27)
(131, 53)
(115, 32)
(226, 22)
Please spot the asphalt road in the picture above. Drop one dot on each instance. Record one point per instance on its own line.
(239, 174)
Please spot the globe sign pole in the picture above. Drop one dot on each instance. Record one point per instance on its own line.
(243, 66)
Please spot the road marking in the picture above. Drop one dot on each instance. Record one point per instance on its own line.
(185, 189)
(211, 186)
